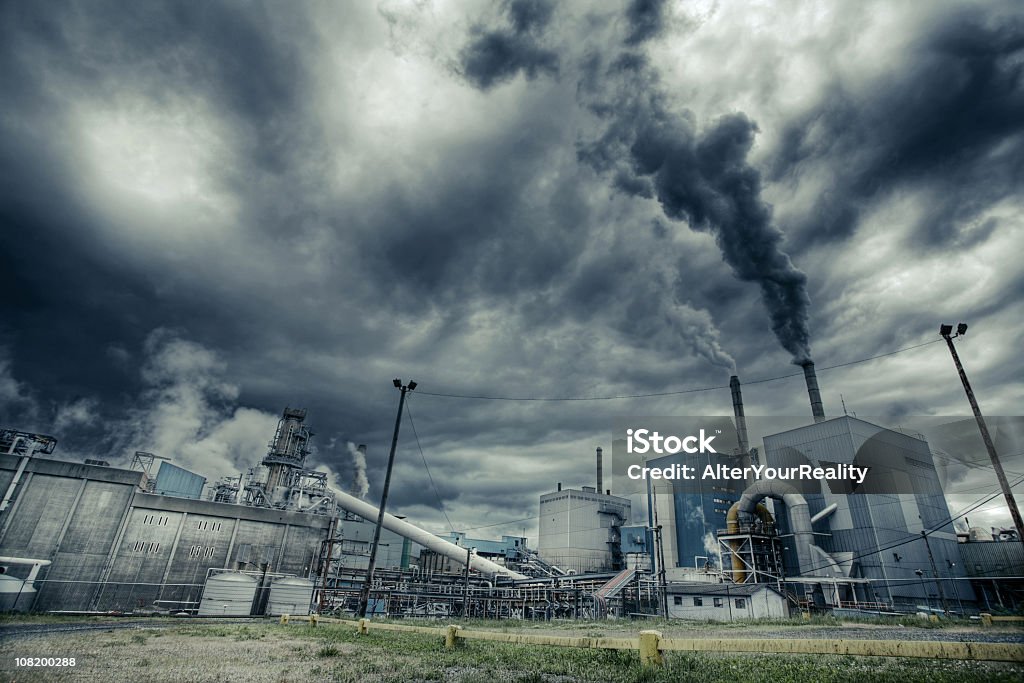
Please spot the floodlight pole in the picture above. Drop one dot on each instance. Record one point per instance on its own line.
(364, 594)
(1018, 523)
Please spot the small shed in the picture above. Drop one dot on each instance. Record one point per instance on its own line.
(725, 601)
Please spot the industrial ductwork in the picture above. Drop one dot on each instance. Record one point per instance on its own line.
(811, 378)
(423, 537)
(796, 510)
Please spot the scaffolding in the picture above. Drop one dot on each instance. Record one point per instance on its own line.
(751, 553)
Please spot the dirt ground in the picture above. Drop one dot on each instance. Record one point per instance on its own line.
(266, 652)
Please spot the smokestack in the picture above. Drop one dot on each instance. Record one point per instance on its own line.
(817, 410)
(737, 411)
(600, 475)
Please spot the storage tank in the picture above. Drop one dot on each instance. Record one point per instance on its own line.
(290, 595)
(16, 595)
(228, 594)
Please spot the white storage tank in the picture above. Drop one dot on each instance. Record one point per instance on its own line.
(16, 595)
(290, 595)
(228, 594)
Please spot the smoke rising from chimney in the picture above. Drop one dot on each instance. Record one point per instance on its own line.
(360, 485)
(651, 148)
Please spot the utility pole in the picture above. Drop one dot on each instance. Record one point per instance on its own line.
(364, 595)
(465, 589)
(935, 573)
(961, 329)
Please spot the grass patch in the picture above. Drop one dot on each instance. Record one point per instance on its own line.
(266, 652)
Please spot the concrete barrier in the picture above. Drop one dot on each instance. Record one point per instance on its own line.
(651, 644)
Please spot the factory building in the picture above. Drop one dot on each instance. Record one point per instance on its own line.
(994, 562)
(694, 512)
(874, 536)
(579, 530)
(826, 546)
(510, 549)
(113, 546)
(103, 538)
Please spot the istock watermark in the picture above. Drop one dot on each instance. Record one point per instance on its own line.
(838, 455)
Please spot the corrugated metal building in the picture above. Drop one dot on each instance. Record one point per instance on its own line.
(115, 547)
(172, 480)
(876, 536)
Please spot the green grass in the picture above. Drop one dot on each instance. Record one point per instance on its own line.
(421, 655)
(338, 653)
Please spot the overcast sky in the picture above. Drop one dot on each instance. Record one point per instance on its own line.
(213, 210)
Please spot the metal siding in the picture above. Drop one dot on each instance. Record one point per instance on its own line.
(172, 480)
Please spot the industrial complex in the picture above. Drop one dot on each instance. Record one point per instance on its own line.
(156, 538)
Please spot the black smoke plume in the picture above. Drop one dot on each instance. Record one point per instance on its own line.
(653, 149)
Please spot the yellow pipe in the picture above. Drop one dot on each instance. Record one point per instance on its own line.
(732, 526)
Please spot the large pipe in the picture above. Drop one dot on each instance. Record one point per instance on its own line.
(796, 509)
(600, 477)
(817, 409)
(741, 419)
(423, 537)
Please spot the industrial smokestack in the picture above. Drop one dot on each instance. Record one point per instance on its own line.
(737, 411)
(817, 410)
(600, 475)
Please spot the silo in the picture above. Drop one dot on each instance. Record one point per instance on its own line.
(228, 594)
(290, 595)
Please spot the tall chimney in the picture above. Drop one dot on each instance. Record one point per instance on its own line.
(600, 475)
(817, 410)
(737, 411)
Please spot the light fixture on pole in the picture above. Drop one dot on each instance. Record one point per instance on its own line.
(364, 594)
(961, 329)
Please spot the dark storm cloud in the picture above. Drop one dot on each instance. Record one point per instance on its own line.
(947, 124)
(646, 20)
(497, 55)
(210, 211)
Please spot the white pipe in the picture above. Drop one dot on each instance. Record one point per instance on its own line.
(423, 537)
(36, 564)
(825, 513)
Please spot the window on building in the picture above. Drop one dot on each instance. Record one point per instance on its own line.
(209, 552)
(698, 602)
(741, 603)
(719, 602)
(677, 600)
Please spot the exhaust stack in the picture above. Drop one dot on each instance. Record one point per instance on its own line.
(817, 409)
(737, 411)
(600, 477)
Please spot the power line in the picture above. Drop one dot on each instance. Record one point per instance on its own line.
(440, 504)
(695, 390)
